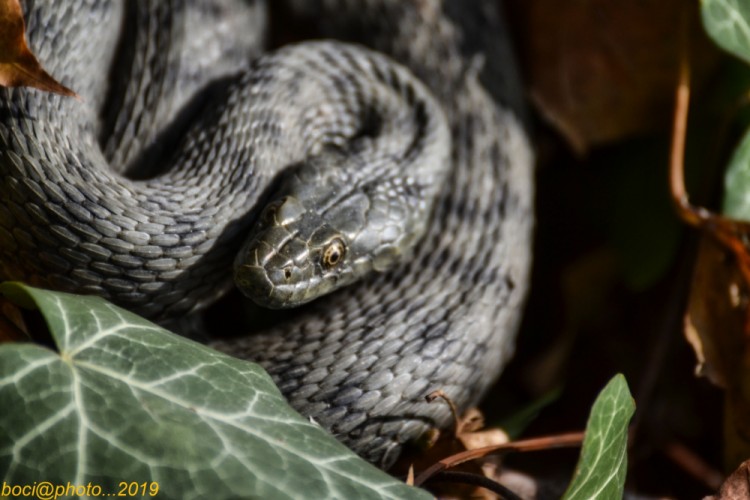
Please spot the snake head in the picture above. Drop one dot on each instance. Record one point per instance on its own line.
(329, 229)
(294, 256)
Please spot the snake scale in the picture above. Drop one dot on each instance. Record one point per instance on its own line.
(417, 188)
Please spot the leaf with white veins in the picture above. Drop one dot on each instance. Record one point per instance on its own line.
(728, 24)
(600, 473)
(122, 399)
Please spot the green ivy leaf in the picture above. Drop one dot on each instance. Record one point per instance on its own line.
(736, 202)
(121, 399)
(600, 473)
(728, 24)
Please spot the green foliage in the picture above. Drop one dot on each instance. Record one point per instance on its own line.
(121, 399)
(728, 24)
(736, 202)
(600, 473)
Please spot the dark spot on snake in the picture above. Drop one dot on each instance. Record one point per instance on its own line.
(351, 61)
(502, 208)
(378, 72)
(331, 60)
(442, 257)
(410, 96)
(372, 123)
(455, 265)
(394, 80)
(420, 129)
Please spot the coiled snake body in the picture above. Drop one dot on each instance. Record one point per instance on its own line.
(420, 191)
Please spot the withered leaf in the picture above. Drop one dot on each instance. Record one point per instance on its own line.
(716, 327)
(467, 435)
(737, 486)
(714, 323)
(473, 435)
(717, 323)
(599, 70)
(18, 65)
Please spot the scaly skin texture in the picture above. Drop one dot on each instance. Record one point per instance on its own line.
(360, 359)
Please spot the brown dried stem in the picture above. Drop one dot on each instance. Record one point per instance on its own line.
(542, 443)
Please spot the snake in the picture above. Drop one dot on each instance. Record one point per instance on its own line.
(375, 181)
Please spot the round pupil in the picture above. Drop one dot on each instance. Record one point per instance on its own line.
(333, 254)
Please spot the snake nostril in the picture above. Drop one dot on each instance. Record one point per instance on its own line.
(288, 273)
(269, 214)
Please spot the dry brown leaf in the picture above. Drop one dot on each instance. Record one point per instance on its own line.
(717, 323)
(467, 435)
(410, 476)
(601, 70)
(716, 327)
(18, 66)
(436, 447)
(482, 439)
(472, 436)
(468, 449)
(737, 486)
(445, 445)
(714, 322)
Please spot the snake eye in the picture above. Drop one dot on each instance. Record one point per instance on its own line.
(334, 253)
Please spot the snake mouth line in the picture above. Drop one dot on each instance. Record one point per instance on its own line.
(256, 284)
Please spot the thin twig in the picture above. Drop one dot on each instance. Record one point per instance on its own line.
(542, 443)
(475, 480)
(728, 232)
(454, 411)
(694, 216)
(694, 465)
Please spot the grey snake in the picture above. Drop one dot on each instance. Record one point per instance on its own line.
(389, 178)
